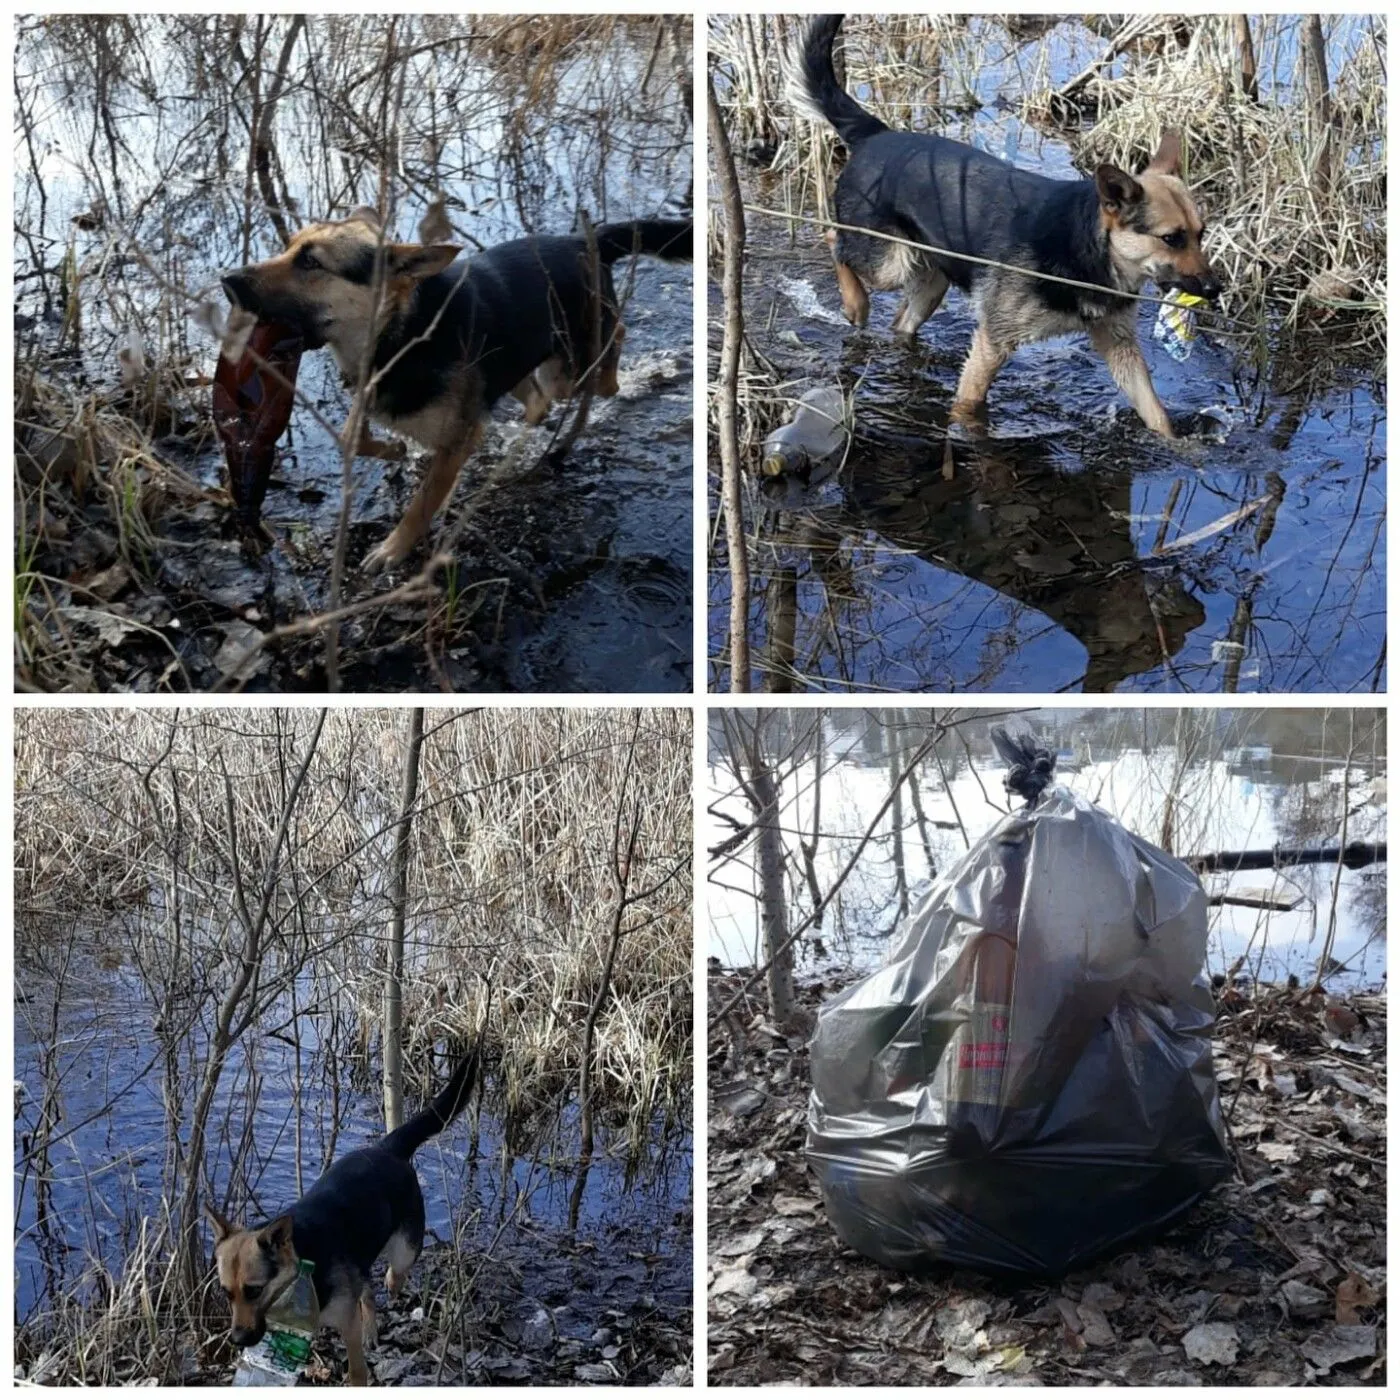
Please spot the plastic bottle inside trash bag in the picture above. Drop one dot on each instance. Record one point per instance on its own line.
(814, 434)
(980, 1048)
(292, 1322)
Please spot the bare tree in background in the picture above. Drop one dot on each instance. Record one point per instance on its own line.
(747, 733)
(393, 973)
(727, 391)
(237, 1009)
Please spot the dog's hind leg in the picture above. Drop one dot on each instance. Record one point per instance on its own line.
(530, 392)
(923, 295)
(1118, 344)
(369, 1321)
(387, 450)
(605, 379)
(402, 1252)
(432, 491)
(983, 361)
(855, 300)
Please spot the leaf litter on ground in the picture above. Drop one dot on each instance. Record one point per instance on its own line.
(1277, 1278)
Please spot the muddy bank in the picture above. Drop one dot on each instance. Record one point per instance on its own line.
(573, 576)
(583, 1316)
(1278, 1278)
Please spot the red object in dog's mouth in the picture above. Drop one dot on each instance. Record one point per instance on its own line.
(253, 399)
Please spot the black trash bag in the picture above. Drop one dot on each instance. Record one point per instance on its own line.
(1027, 1084)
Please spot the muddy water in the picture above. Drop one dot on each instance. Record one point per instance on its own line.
(571, 577)
(1069, 549)
(630, 1252)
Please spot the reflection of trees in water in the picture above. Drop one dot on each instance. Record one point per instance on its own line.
(1074, 549)
(138, 126)
(1192, 758)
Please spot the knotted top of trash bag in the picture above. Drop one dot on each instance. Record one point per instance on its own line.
(1029, 768)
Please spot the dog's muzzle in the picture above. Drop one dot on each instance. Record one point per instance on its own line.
(238, 288)
(249, 1336)
(1209, 286)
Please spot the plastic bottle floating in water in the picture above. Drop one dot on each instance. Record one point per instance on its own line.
(1175, 326)
(814, 434)
(292, 1322)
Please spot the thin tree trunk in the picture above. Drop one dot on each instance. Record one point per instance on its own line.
(393, 973)
(1249, 77)
(622, 873)
(1320, 104)
(772, 906)
(809, 848)
(263, 149)
(917, 799)
(225, 1032)
(731, 484)
(901, 880)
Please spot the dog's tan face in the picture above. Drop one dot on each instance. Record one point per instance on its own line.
(332, 277)
(1154, 228)
(254, 1267)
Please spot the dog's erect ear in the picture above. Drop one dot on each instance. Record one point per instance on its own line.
(417, 260)
(277, 1236)
(1117, 189)
(222, 1229)
(365, 215)
(1167, 161)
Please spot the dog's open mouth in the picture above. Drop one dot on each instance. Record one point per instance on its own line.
(1206, 287)
(241, 291)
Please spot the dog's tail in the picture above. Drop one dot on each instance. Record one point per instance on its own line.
(672, 239)
(813, 91)
(405, 1141)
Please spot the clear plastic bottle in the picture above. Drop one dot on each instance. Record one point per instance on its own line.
(1175, 327)
(815, 433)
(292, 1323)
(980, 1049)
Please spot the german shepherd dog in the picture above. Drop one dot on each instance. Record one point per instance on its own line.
(369, 1203)
(441, 344)
(1113, 231)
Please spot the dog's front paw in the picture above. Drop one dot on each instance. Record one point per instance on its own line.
(385, 555)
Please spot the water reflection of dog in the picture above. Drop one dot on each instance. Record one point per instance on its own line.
(1006, 515)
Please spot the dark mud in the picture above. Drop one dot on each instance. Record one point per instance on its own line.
(1278, 1278)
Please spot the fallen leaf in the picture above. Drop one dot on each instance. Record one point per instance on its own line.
(1338, 1345)
(741, 1244)
(794, 1205)
(957, 1324)
(1097, 1331)
(738, 1282)
(1304, 1301)
(1353, 1292)
(1212, 1343)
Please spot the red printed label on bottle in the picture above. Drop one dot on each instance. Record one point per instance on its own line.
(979, 1054)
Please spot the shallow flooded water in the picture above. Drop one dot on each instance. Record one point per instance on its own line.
(1248, 798)
(1068, 549)
(576, 576)
(620, 1257)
